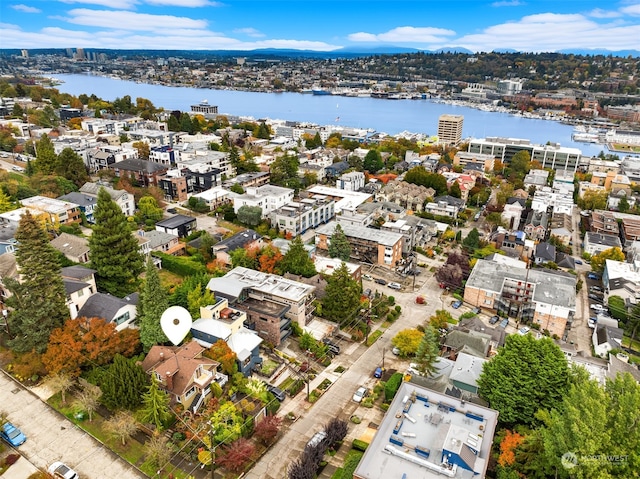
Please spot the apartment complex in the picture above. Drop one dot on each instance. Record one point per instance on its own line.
(271, 302)
(267, 197)
(299, 216)
(544, 297)
(450, 129)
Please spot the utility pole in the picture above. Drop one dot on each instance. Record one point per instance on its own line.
(212, 451)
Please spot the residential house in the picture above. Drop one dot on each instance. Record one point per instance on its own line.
(296, 217)
(58, 212)
(326, 266)
(184, 373)
(512, 213)
(75, 248)
(336, 169)
(8, 269)
(474, 324)
(178, 225)
(604, 222)
(466, 371)
(513, 244)
(622, 279)
(535, 225)
(87, 203)
(220, 322)
(244, 239)
(80, 285)
(123, 198)
(268, 197)
(270, 301)
(471, 342)
(407, 195)
(164, 242)
(142, 172)
(630, 228)
(544, 297)
(536, 178)
(121, 312)
(216, 196)
(247, 180)
(544, 253)
(8, 242)
(368, 245)
(605, 339)
(595, 243)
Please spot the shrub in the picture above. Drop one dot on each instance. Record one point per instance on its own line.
(392, 386)
(11, 459)
(359, 445)
(398, 309)
(391, 300)
(180, 265)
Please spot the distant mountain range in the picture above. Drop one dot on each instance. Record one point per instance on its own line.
(345, 52)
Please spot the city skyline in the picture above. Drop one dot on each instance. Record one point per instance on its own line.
(478, 26)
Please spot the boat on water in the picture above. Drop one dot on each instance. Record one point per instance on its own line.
(584, 137)
(320, 91)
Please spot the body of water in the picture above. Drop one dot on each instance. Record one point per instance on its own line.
(382, 115)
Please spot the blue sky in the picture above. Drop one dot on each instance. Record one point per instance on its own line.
(327, 25)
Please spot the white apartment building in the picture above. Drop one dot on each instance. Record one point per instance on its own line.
(351, 181)
(267, 197)
(297, 217)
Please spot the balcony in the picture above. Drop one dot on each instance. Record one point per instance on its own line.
(204, 378)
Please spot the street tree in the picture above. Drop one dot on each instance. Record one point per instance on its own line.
(428, 352)
(267, 429)
(441, 319)
(158, 449)
(599, 260)
(339, 246)
(527, 374)
(407, 341)
(297, 260)
(60, 383)
(154, 301)
(450, 275)
(155, 406)
(235, 456)
(122, 425)
(38, 300)
(88, 399)
(342, 297)
(113, 249)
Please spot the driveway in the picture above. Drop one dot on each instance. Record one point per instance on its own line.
(52, 437)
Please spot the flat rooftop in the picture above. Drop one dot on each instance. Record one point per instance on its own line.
(385, 238)
(426, 434)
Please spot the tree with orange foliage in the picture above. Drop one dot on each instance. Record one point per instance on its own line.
(221, 352)
(269, 259)
(508, 446)
(85, 342)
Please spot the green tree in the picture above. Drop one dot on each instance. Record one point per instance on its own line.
(617, 307)
(284, 171)
(623, 205)
(596, 424)
(297, 261)
(527, 374)
(373, 161)
(143, 148)
(173, 124)
(250, 215)
(593, 200)
(428, 352)
(46, 158)
(598, 261)
(38, 300)
(5, 203)
(153, 302)
(149, 209)
(245, 258)
(227, 424)
(186, 124)
(521, 163)
(113, 249)
(339, 246)
(122, 383)
(71, 166)
(455, 190)
(263, 131)
(342, 297)
(472, 240)
(199, 297)
(237, 188)
(155, 406)
(407, 341)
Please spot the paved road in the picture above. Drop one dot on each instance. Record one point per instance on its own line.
(51, 437)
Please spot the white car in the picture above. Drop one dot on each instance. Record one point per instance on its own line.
(394, 286)
(597, 307)
(60, 470)
(360, 394)
(368, 277)
(524, 330)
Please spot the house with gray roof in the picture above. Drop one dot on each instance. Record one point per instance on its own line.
(466, 371)
(177, 225)
(474, 343)
(86, 202)
(606, 338)
(120, 311)
(164, 242)
(75, 248)
(544, 253)
(595, 243)
(123, 198)
(144, 172)
(243, 239)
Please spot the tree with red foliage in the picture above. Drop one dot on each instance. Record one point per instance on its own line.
(84, 342)
(269, 259)
(236, 455)
(221, 352)
(267, 429)
(508, 446)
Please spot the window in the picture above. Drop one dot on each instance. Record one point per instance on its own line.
(121, 319)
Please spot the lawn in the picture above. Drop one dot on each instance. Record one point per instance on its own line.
(230, 226)
(169, 279)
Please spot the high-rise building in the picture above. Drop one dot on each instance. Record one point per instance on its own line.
(24, 53)
(450, 129)
(80, 54)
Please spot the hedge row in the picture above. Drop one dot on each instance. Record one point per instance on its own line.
(180, 265)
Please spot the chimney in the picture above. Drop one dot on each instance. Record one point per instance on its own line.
(168, 380)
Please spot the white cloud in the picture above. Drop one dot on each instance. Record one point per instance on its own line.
(251, 32)
(26, 8)
(183, 3)
(404, 35)
(115, 4)
(633, 10)
(131, 20)
(552, 32)
(600, 13)
(507, 3)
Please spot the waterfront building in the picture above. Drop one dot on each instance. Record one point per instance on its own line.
(205, 109)
(551, 155)
(450, 129)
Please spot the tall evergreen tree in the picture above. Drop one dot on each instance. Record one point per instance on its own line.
(153, 302)
(113, 249)
(342, 295)
(297, 261)
(46, 158)
(339, 247)
(39, 299)
(71, 166)
(121, 384)
(428, 351)
(155, 406)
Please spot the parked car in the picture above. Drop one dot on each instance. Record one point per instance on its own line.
(396, 350)
(62, 471)
(595, 276)
(475, 310)
(333, 347)
(524, 330)
(595, 297)
(494, 319)
(18, 168)
(377, 373)
(367, 292)
(395, 285)
(595, 289)
(277, 392)
(598, 307)
(317, 439)
(367, 277)
(12, 434)
(380, 281)
(504, 323)
(592, 322)
(456, 304)
(577, 261)
(360, 394)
